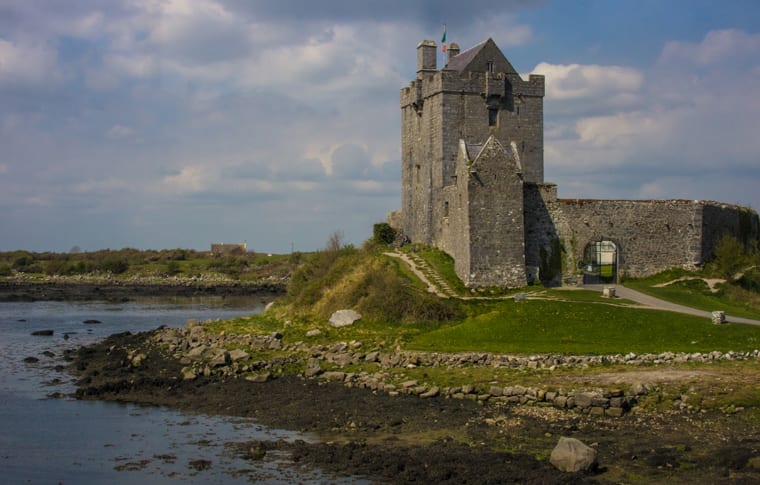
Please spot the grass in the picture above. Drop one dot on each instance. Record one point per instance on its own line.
(732, 299)
(543, 326)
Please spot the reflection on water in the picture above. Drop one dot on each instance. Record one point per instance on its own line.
(68, 441)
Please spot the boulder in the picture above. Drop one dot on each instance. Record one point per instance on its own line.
(43, 333)
(313, 368)
(313, 332)
(344, 318)
(238, 354)
(188, 374)
(571, 455)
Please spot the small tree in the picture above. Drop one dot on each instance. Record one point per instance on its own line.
(730, 257)
(383, 233)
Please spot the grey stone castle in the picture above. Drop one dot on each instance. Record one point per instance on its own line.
(473, 186)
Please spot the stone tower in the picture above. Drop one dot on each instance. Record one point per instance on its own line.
(473, 107)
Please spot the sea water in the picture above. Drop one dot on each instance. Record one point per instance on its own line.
(62, 440)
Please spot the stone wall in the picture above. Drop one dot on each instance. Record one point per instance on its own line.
(650, 235)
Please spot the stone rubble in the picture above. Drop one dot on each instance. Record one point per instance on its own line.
(205, 353)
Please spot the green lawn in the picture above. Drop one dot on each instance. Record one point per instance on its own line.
(695, 293)
(585, 328)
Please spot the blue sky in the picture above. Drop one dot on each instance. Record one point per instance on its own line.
(178, 123)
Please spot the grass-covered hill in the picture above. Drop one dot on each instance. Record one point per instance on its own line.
(397, 309)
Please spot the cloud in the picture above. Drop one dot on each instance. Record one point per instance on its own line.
(718, 47)
(24, 64)
(190, 179)
(575, 81)
(679, 131)
(119, 131)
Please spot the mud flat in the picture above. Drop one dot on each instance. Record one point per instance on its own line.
(407, 438)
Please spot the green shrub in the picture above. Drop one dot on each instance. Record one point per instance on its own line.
(730, 258)
(383, 233)
(5, 269)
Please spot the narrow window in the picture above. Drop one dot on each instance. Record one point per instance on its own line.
(446, 209)
(493, 116)
(490, 66)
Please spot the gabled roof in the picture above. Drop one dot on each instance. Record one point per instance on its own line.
(477, 59)
(493, 146)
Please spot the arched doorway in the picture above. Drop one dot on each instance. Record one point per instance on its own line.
(600, 262)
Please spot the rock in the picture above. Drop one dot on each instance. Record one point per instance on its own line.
(520, 297)
(334, 376)
(639, 389)
(433, 392)
(138, 359)
(344, 318)
(584, 399)
(313, 332)
(313, 368)
(571, 455)
(220, 358)
(196, 353)
(42, 333)
(48, 353)
(31, 360)
(268, 306)
(259, 377)
(188, 374)
(91, 321)
(238, 354)
(719, 317)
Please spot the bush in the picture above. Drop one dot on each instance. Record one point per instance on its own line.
(5, 269)
(383, 233)
(730, 258)
(114, 265)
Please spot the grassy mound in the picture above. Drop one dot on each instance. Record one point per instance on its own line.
(379, 287)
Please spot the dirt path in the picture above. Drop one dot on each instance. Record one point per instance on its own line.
(657, 304)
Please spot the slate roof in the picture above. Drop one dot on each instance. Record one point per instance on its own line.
(460, 62)
(471, 59)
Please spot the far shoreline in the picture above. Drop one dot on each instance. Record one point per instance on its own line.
(112, 289)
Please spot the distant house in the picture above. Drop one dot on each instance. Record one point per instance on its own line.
(235, 249)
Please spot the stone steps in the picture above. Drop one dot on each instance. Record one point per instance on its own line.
(432, 275)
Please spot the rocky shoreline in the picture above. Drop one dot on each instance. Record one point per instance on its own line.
(114, 289)
(411, 431)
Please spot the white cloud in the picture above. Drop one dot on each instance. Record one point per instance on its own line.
(717, 47)
(575, 81)
(25, 64)
(190, 179)
(682, 135)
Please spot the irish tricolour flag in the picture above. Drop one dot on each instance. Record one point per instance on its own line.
(443, 39)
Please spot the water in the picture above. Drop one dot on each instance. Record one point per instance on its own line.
(47, 440)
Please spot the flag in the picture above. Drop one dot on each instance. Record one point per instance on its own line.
(443, 39)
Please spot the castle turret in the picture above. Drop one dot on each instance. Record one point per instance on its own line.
(453, 50)
(427, 58)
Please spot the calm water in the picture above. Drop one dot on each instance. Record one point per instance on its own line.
(45, 440)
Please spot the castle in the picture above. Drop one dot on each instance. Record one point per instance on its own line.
(473, 186)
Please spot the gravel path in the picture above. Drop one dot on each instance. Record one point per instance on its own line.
(656, 303)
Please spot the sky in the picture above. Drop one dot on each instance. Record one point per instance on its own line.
(158, 124)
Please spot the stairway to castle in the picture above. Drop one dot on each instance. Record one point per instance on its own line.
(436, 283)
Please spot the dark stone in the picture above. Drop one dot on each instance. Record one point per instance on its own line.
(31, 360)
(45, 333)
(91, 321)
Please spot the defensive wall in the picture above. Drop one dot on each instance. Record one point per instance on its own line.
(650, 236)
